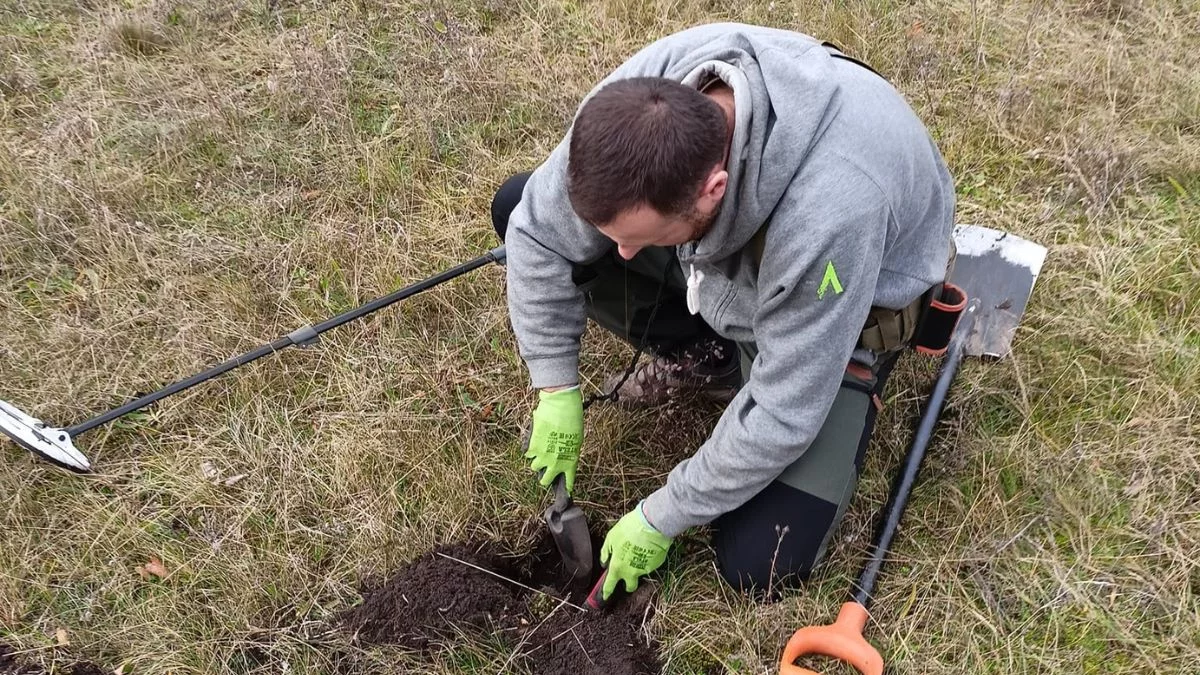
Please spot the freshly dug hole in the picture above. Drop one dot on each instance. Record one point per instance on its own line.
(420, 606)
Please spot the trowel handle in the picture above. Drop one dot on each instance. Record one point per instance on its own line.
(595, 599)
(562, 498)
(560, 488)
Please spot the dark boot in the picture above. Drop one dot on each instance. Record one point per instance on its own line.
(709, 368)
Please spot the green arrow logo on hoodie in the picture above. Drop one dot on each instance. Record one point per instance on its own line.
(831, 279)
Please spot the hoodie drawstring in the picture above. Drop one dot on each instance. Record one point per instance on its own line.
(693, 289)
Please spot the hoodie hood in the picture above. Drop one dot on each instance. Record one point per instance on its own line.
(780, 112)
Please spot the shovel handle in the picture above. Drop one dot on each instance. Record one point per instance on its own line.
(842, 640)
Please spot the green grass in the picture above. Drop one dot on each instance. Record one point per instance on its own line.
(181, 181)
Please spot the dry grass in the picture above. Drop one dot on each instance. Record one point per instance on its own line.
(181, 181)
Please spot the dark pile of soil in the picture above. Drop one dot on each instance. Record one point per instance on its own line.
(418, 605)
(421, 606)
(11, 664)
(594, 643)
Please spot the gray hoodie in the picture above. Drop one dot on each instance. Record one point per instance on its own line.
(860, 208)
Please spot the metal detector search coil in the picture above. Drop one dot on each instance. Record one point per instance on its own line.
(49, 442)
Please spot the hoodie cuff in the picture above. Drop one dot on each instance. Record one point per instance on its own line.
(559, 371)
(662, 514)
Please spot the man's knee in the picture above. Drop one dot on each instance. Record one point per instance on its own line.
(761, 578)
(505, 200)
(773, 541)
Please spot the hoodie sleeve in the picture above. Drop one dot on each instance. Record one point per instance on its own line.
(545, 237)
(806, 329)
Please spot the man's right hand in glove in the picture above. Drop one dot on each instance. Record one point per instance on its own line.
(557, 435)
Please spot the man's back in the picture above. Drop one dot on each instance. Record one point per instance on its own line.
(816, 119)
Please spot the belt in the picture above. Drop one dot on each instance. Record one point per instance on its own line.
(890, 330)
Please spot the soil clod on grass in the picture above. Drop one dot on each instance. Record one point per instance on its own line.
(438, 597)
(419, 606)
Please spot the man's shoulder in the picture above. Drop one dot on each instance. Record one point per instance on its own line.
(831, 176)
(684, 49)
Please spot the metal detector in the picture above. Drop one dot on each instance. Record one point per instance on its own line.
(57, 445)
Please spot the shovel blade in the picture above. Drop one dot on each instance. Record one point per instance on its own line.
(998, 269)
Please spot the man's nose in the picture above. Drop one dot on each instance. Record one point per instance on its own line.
(627, 252)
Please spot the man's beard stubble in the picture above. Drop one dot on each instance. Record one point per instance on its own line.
(699, 222)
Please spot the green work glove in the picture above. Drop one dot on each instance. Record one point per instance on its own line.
(632, 549)
(556, 436)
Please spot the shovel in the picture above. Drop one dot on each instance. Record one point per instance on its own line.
(997, 271)
(569, 527)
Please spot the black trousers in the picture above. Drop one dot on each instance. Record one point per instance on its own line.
(776, 539)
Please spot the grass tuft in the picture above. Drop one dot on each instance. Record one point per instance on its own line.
(141, 40)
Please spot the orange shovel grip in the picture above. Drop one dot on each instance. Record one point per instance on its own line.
(842, 640)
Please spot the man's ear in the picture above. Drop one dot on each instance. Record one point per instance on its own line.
(714, 188)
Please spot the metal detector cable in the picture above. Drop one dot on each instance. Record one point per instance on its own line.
(613, 396)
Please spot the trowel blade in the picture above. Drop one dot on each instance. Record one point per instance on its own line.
(568, 525)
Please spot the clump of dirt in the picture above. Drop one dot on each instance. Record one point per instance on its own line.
(9, 665)
(438, 596)
(12, 664)
(421, 604)
(594, 643)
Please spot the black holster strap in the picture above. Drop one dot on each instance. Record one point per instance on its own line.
(941, 319)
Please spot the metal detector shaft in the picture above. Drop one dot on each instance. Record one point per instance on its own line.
(299, 336)
(902, 486)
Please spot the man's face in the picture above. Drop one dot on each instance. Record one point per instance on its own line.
(641, 226)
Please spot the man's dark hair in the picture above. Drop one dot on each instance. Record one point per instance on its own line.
(646, 140)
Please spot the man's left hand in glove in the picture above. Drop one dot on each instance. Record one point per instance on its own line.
(632, 549)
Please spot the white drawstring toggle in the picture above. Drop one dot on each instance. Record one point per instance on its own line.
(693, 289)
